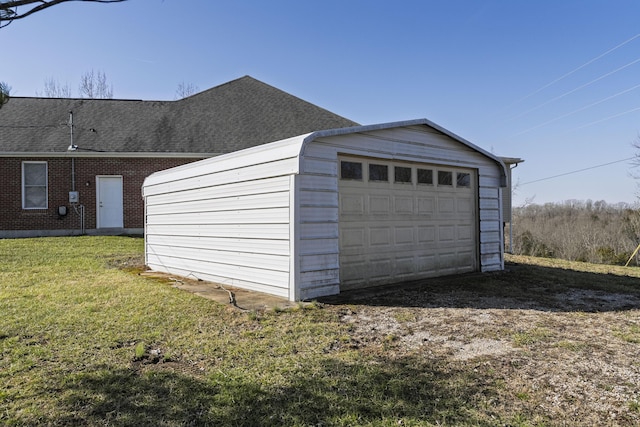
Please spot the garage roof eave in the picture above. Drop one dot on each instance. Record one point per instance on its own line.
(416, 122)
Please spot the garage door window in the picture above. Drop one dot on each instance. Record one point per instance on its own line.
(378, 172)
(425, 176)
(445, 178)
(463, 180)
(351, 170)
(402, 174)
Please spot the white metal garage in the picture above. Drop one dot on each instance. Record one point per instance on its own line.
(330, 211)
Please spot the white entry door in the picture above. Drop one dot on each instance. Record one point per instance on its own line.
(109, 202)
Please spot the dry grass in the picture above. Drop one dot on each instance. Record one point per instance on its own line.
(84, 343)
(551, 342)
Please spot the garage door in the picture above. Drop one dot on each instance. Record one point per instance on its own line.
(405, 221)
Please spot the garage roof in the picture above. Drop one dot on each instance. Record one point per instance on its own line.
(295, 146)
(426, 122)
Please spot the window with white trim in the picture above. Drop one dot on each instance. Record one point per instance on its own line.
(34, 185)
(445, 178)
(351, 170)
(425, 176)
(463, 180)
(402, 174)
(378, 172)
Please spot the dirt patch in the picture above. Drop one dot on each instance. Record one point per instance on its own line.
(563, 351)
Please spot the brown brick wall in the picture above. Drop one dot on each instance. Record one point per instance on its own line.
(132, 170)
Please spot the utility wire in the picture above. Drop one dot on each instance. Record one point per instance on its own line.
(591, 61)
(555, 119)
(579, 170)
(604, 120)
(576, 89)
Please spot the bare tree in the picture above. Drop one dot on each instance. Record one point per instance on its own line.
(94, 85)
(4, 93)
(635, 163)
(578, 230)
(10, 10)
(53, 89)
(186, 89)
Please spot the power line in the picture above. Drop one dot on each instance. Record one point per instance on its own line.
(591, 61)
(555, 119)
(576, 89)
(604, 120)
(579, 170)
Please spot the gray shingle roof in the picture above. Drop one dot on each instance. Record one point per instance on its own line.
(235, 115)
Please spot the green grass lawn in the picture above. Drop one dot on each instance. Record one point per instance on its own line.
(83, 342)
(74, 334)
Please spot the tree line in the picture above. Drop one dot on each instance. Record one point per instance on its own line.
(588, 231)
(93, 85)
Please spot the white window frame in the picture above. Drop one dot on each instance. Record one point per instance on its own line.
(46, 186)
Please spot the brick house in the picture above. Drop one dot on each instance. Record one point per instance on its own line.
(74, 166)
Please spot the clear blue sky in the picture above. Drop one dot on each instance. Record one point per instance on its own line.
(550, 81)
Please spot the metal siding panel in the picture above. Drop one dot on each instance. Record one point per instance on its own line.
(275, 247)
(318, 214)
(491, 262)
(294, 239)
(492, 180)
(311, 292)
(488, 192)
(216, 210)
(490, 248)
(209, 277)
(232, 217)
(225, 274)
(263, 186)
(491, 204)
(324, 278)
(224, 257)
(319, 246)
(319, 198)
(251, 202)
(319, 231)
(318, 182)
(490, 226)
(489, 236)
(319, 166)
(318, 262)
(489, 215)
(318, 243)
(320, 148)
(241, 231)
(247, 158)
(424, 147)
(214, 178)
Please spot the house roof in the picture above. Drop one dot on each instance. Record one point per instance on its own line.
(235, 115)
